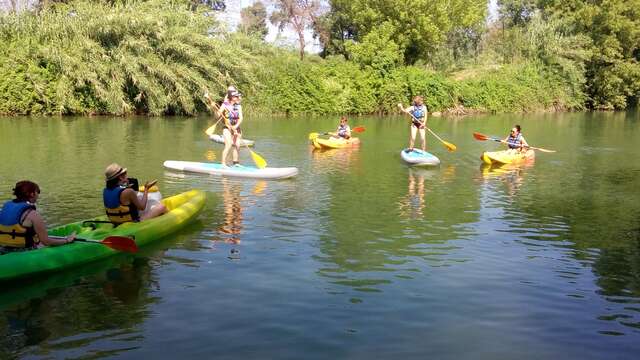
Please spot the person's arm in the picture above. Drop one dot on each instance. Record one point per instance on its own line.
(348, 132)
(131, 195)
(41, 230)
(523, 142)
(406, 110)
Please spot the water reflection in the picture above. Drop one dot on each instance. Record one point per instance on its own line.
(412, 205)
(511, 175)
(233, 212)
(105, 309)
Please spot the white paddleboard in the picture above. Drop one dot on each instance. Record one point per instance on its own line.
(419, 157)
(234, 170)
(220, 139)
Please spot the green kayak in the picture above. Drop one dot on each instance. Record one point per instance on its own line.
(182, 208)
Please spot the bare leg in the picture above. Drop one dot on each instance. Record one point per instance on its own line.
(155, 211)
(412, 139)
(236, 148)
(228, 142)
(424, 139)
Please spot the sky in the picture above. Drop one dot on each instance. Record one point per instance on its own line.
(231, 16)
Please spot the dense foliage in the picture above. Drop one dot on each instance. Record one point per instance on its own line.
(157, 57)
(150, 57)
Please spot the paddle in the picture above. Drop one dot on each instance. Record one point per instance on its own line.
(120, 243)
(357, 129)
(211, 129)
(260, 162)
(448, 145)
(483, 137)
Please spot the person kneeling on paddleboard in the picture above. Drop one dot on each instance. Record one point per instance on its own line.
(418, 112)
(515, 140)
(121, 201)
(343, 131)
(231, 112)
(21, 227)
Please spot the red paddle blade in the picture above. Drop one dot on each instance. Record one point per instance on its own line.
(121, 243)
(358, 129)
(479, 136)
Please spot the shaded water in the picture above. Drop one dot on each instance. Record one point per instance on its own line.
(359, 256)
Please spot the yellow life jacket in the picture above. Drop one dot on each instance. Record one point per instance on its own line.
(116, 212)
(12, 233)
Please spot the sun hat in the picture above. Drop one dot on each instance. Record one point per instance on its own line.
(113, 171)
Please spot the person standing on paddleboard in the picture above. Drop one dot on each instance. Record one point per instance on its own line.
(21, 226)
(231, 112)
(418, 112)
(343, 131)
(515, 140)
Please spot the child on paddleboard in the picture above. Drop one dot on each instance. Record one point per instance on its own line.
(418, 112)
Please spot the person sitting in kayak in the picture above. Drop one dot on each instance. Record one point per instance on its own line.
(343, 131)
(515, 140)
(21, 226)
(231, 111)
(121, 202)
(418, 112)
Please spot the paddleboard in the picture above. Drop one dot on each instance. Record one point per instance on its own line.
(220, 140)
(234, 170)
(419, 157)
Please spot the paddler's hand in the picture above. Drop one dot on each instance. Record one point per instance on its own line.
(71, 237)
(400, 106)
(149, 184)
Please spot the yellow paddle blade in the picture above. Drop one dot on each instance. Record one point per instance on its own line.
(449, 146)
(211, 129)
(313, 135)
(261, 163)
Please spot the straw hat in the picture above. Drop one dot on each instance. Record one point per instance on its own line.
(113, 171)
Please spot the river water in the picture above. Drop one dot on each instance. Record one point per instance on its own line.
(358, 257)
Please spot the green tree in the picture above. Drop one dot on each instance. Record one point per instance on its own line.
(254, 20)
(613, 71)
(418, 27)
(299, 15)
(376, 50)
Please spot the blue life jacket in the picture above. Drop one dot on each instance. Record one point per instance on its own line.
(419, 111)
(116, 212)
(514, 141)
(12, 233)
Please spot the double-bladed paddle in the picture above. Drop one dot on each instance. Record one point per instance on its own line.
(483, 137)
(357, 129)
(120, 243)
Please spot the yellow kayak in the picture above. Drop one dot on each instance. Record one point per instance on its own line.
(507, 156)
(334, 143)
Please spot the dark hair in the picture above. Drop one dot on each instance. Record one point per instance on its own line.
(24, 189)
(113, 183)
(344, 118)
(517, 127)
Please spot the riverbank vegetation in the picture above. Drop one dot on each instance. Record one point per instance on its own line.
(157, 57)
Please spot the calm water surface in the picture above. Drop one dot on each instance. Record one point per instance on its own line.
(358, 257)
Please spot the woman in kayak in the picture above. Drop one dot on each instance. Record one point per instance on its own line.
(231, 111)
(418, 112)
(343, 131)
(21, 226)
(515, 140)
(121, 202)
